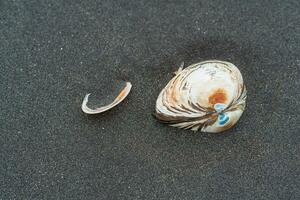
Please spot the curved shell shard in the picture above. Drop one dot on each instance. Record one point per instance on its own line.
(121, 96)
(209, 96)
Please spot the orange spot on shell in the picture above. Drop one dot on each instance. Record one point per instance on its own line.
(218, 96)
(122, 94)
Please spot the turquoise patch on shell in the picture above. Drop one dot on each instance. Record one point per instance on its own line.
(223, 118)
(219, 107)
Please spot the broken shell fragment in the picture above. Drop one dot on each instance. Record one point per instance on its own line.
(122, 95)
(210, 96)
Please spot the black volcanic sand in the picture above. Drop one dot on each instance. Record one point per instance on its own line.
(54, 52)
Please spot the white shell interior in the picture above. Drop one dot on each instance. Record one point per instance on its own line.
(209, 78)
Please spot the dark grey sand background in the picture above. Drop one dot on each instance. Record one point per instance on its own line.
(54, 52)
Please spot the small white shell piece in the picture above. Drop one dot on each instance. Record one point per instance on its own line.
(122, 95)
(210, 96)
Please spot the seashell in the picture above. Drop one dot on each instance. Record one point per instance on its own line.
(121, 96)
(210, 96)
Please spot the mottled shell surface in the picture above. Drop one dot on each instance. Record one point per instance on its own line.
(209, 96)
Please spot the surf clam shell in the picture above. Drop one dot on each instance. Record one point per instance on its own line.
(209, 96)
